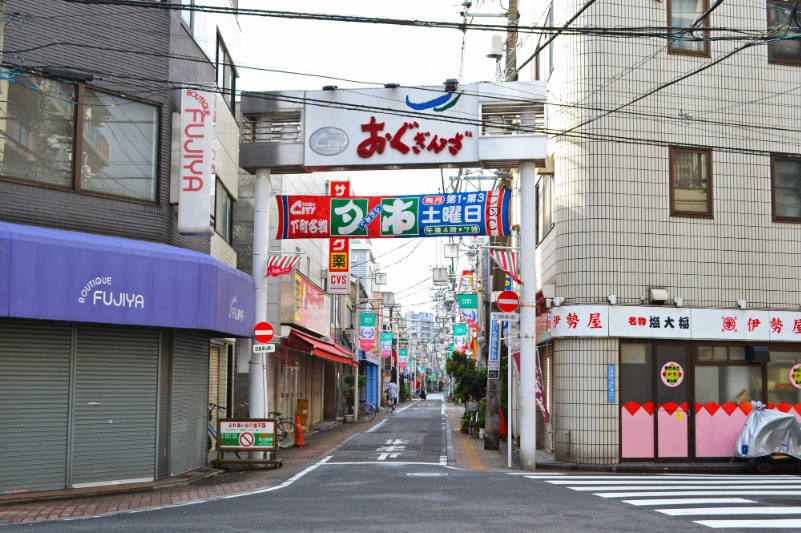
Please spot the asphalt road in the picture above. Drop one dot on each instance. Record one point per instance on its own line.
(397, 478)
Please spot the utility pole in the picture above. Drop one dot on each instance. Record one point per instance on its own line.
(492, 430)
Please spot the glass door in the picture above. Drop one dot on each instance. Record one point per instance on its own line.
(673, 411)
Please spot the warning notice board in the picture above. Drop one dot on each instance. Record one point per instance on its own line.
(251, 434)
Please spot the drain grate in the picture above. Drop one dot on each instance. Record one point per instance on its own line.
(783, 501)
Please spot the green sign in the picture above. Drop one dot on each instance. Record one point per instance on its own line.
(251, 434)
(399, 216)
(347, 215)
(368, 320)
(467, 301)
(436, 230)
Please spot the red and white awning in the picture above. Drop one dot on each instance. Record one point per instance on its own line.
(508, 262)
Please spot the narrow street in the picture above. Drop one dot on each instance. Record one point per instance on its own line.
(395, 476)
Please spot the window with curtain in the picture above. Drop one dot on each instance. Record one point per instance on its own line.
(786, 190)
(682, 14)
(690, 182)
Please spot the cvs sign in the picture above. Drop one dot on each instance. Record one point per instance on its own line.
(338, 266)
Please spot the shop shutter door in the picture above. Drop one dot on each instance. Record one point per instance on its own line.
(116, 383)
(214, 386)
(34, 405)
(190, 400)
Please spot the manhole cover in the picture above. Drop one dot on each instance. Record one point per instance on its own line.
(783, 501)
(425, 474)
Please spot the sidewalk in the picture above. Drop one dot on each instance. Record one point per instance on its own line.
(469, 452)
(201, 484)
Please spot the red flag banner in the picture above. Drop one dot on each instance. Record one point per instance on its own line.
(508, 262)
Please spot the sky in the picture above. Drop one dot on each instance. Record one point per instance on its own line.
(378, 54)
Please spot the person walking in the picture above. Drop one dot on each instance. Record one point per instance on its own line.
(392, 396)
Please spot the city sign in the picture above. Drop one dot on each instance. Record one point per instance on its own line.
(252, 434)
(375, 217)
(263, 348)
(264, 332)
(338, 266)
(508, 301)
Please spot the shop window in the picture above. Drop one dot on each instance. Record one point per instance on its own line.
(782, 387)
(223, 212)
(38, 125)
(636, 373)
(545, 202)
(786, 190)
(784, 24)
(720, 384)
(690, 182)
(120, 146)
(683, 14)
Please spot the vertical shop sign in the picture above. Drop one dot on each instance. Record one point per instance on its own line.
(386, 344)
(494, 360)
(198, 133)
(610, 383)
(367, 332)
(338, 266)
(460, 337)
(403, 356)
(468, 303)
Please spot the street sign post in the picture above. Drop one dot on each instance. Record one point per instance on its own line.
(508, 301)
(263, 348)
(251, 434)
(264, 332)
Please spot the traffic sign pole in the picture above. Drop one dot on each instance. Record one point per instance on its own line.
(528, 317)
(261, 253)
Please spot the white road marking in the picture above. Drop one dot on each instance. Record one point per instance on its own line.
(783, 492)
(713, 511)
(682, 482)
(686, 501)
(686, 487)
(760, 524)
(383, 456)
(658, 478)
(375, 426)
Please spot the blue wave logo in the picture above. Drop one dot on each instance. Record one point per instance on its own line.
(439, 104)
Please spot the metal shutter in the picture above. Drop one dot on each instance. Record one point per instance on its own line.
(116, 384)
(190, 400)
(34, 404)
(214, 386)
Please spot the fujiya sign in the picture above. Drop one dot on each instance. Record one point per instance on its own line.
(198, 131)
(106, 295)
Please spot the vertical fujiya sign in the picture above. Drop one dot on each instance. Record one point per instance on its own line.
(367, 332)
(198, 132)
(338, 266)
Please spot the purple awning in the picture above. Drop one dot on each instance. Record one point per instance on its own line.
(49, 274)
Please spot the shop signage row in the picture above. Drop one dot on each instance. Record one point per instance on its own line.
(669, 323)
(436, 215)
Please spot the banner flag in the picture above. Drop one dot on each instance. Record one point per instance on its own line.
(508, 262)
(460, 337)
(367, 332)
(281, 264)
(386, 344)
(403, 355)
(375, 217)
(468, 303)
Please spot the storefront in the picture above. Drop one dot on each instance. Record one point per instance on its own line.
(105, 356)
(684, 378)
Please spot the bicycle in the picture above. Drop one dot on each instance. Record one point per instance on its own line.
(286, 434)
(367, 410)
(213, 431)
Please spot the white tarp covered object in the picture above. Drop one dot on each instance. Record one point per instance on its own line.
(769, 431)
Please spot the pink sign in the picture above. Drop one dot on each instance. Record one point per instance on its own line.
(672, 374)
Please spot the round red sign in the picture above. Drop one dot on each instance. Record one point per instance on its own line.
(264, 332)
(246, 439)
(508, 301)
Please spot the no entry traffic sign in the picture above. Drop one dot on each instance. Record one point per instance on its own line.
(246, 439)
(264, 332)
(507, 301)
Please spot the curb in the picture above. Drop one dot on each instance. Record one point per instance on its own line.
(121, 489)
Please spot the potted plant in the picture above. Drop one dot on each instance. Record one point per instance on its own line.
(465, 422)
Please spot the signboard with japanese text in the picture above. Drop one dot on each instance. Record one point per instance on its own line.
(338, 266)
(580, 321)
(460, 337)
(403, 357)
(468, 304)
(340, 189)
(610, 383)
(305, 305)
(731, 324)
(375, 217)
(372, 138)
(785, 326)
(386, 344)
(198, 140)
(494, 360)
(658, 322)
(367, 331)
(252, 434)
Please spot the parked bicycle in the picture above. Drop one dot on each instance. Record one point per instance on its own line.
(367, 410)
(286, 434)
(213, 430)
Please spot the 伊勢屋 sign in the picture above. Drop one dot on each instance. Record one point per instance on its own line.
(253, 434)
(198, 137)
(435, 215)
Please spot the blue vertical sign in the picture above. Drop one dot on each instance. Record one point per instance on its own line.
(494, 359)
(610, 383)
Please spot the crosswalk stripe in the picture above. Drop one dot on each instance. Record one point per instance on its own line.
(761, 524)
(733, 511)
(680, 482)
(683, 487)
(783, 492)
(686, 501)
(656, 478)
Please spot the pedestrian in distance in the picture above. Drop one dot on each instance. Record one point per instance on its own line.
(392, 396)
